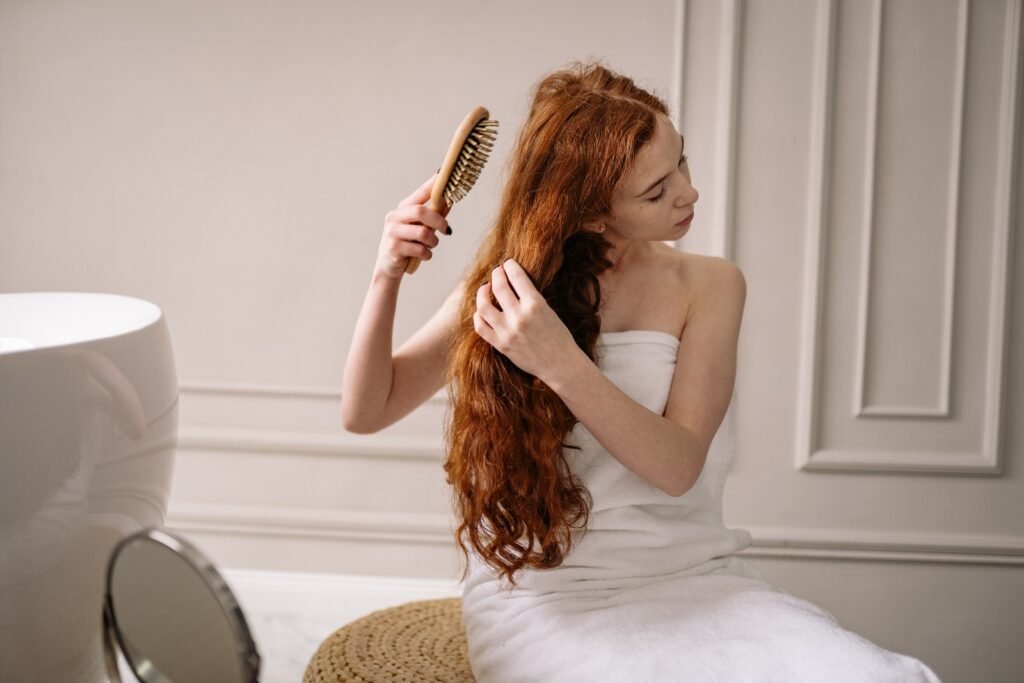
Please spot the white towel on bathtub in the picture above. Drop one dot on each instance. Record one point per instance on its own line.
(653, 591)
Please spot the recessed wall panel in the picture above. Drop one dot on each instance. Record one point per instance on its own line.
(907, 333)
(910, 231)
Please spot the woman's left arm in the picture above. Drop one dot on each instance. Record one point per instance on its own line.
(668, 451)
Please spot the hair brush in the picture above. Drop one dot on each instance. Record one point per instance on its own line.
(466, 157)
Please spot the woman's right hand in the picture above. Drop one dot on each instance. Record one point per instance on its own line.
(410, 230)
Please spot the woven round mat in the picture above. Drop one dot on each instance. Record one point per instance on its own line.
(422, 641)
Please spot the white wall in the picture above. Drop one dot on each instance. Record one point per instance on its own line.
(233, 161)
(878, 395)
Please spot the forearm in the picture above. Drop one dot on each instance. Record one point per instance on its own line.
(656, 449)
(368, 368)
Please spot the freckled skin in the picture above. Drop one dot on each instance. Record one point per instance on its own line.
(651, 216)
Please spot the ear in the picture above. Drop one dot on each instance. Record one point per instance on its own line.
(593, 226)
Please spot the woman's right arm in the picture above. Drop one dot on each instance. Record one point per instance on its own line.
(378, 390)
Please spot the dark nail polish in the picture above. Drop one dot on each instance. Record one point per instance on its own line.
(448, 230)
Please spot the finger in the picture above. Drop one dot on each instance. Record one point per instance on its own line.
(503, 291)
(519, 279)
(421, 193)
(414, 249)
(482, 328)
(485, 308)
(408, 240)
(421, 214)
(419, 234)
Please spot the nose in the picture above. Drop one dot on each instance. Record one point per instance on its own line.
(689, 195)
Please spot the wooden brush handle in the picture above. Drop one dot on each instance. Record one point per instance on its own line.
(437, 202)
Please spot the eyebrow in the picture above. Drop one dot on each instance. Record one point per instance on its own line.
(682, 146)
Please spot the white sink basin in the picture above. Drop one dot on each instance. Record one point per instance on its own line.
(88, 428)
(46, 319)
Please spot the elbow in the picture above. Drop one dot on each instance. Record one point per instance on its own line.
(679, 491)
(354, 428)
(682, 486)
(686, 477)
(354, 425)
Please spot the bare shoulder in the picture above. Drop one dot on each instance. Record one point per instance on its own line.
(708, 275)
(706, 282)
(699, 276)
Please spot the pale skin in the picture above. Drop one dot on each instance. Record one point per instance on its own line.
(650, 286)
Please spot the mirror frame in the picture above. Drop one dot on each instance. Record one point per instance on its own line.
(248, 655)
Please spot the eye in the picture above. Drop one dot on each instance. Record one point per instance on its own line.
(682, 160)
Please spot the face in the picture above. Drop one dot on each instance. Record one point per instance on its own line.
(656, 194)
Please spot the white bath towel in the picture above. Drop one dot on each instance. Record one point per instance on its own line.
(653, 591)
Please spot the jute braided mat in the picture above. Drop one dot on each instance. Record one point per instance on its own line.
(418, 642)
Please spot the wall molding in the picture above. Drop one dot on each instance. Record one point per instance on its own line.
(952, 223)
(276, 521)
(295, 419)
(999, 302)
(808, 456)
(678, 85)
(438, 529)
(198, 387)
(677, 91)
(727, 107)
(375, 446)
(885, 546)
(819, 179)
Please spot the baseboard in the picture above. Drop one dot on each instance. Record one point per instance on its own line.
(325, 597)
(434, 529)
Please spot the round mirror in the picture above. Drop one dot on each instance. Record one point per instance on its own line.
(172, 615)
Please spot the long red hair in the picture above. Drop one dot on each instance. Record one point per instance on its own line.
(512, 487)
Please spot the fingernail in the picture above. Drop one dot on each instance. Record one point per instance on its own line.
(448, 230)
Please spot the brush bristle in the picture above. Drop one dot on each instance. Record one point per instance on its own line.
(472, 158)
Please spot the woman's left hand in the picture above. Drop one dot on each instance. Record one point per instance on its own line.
(525, 329)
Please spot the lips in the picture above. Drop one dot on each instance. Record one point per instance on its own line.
(685, 221)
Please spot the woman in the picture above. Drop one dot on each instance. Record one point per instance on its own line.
(590, 367)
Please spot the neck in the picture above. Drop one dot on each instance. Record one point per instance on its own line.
(623, 253)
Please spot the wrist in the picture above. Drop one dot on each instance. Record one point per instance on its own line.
(381, 274)
(564, 376)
